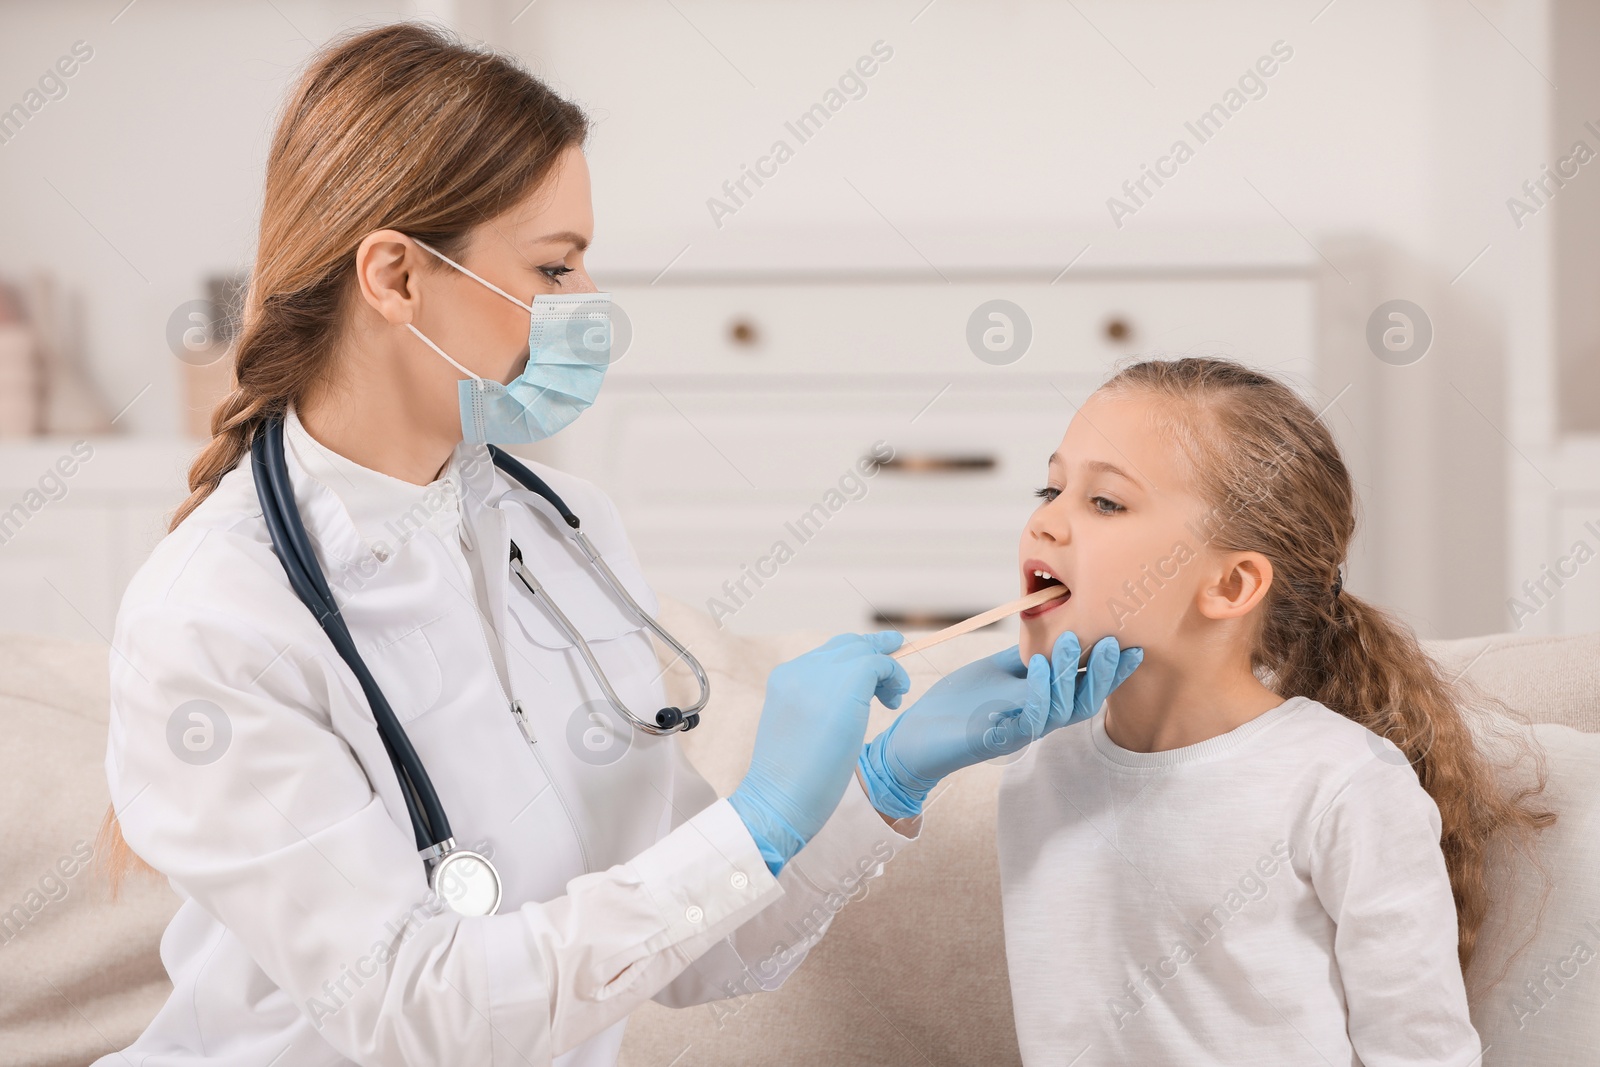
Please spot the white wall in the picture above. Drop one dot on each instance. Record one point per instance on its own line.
(1020, 117)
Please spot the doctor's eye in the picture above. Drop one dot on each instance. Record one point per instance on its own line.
(555, 274)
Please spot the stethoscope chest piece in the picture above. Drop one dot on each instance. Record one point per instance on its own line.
(467, 882)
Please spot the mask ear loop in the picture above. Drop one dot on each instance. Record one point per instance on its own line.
(481, 281)
(445, 354)
(474, 277)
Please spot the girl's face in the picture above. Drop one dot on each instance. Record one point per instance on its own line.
(1118, 526)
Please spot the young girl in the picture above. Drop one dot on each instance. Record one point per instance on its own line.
(1270, 848)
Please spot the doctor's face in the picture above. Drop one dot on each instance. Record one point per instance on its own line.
(1118, 526)
(537, 246)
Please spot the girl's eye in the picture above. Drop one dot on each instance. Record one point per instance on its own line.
(555, 274)
(1050, 492)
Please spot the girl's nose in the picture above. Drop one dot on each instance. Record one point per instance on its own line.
(1049, 523)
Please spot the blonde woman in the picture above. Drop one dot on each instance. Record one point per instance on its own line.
(405, 766)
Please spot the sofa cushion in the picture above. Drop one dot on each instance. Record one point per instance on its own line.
(79, 973)
(1554, 679)
(1534, 983)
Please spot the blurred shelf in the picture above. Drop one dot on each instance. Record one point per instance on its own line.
(116, 464)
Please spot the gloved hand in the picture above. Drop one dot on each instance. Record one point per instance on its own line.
(812, 724)
(990, 707)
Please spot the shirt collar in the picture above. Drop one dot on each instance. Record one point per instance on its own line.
(386, 511)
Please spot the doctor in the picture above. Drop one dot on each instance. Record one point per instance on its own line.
(423, 202)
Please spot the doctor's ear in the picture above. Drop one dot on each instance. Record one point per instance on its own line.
(1240, 583)
(388, 264)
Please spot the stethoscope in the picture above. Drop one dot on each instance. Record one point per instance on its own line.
(463, 878)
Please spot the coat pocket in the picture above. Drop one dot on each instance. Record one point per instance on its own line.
(412, 680)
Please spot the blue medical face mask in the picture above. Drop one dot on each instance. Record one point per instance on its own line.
(569, 348)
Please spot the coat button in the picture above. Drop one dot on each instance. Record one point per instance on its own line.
(739, 879)
(694, 914)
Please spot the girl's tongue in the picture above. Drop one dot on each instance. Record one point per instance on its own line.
(1036, 576)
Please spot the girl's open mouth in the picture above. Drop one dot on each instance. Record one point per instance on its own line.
(1036, 576)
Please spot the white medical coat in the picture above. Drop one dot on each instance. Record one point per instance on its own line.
(246, 766)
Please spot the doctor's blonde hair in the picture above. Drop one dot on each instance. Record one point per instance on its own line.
(398, 127)
(1267, 466)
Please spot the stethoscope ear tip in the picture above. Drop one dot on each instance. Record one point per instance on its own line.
(673, 718)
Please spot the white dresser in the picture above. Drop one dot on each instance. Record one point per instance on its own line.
(732, 428)
(73, 530)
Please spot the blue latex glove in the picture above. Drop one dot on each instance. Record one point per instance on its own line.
(812, 724)
(990, 707)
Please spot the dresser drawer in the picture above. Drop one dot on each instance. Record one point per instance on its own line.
(79, 518)
(753, 448)
(812, 594)
(746, 332)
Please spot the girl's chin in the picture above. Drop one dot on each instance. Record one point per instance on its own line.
(1039, 637)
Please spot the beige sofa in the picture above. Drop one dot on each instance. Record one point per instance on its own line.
(913, 972)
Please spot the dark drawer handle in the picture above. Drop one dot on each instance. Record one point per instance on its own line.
(938, 464)
(920, 620)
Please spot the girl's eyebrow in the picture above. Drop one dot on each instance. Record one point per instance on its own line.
(1097, 465)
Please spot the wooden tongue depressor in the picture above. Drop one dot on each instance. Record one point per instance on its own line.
(966, 626)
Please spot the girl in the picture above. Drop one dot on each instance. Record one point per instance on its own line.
(1271, 847)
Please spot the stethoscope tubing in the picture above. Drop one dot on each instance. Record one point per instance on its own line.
(292, 545)
(428, 819)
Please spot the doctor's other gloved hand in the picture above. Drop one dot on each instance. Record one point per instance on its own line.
(991, 707)
(812, 726)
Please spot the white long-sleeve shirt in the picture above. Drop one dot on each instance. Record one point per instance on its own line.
(245, 765)
(1274, 895)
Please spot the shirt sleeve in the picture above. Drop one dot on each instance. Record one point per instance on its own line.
(1377, 868)
(831, 870)
(229, 778)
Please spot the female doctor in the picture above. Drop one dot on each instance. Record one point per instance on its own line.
(424, 201)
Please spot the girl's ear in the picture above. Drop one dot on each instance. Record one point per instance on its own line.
(1240, 586)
